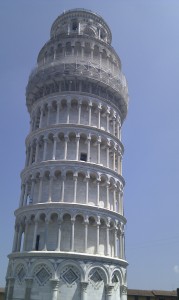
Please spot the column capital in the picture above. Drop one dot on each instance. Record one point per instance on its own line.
(99, 107)
(124, 289)
(90, 103)
(108, 222)
(98, 222)
(45, 139)
(66, 138)
(108, 110)
(89, 137)
(109, 289)
(99, 140)
(55, 137)
(54, 283)
(73, 219)
(11, 281)
(29, 282)
(86, 220)
(84, 285)
(75, 176)
(77, 137)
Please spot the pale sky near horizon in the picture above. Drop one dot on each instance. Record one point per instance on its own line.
(146, 37)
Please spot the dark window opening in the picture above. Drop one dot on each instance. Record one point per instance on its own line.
(83, 156)
(75, 25)
(136, 297)
(37, 242)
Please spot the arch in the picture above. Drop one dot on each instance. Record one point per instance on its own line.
(73, 263)
(119, 275)
(102, 268)
(40, 264)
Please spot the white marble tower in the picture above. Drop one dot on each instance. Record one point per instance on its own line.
(69, 228)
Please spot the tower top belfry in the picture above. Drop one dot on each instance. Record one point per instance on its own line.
(82, 22)
(70, 223)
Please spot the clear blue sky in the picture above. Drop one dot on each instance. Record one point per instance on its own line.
(146, 37)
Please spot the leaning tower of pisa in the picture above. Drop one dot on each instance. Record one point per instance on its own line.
(69, 227)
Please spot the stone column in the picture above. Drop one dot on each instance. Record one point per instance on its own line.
(115, 241)
(98, 191)
(89, 148)
(27, 157)
(109, 291)
(99, 150)
(82, 51)
(46, 235)
(114, 124)
(59, 222)
(32, 190)
(84, 286)
(107, 236)
(87, 188)
(66, 147)
(54, 147)
(75, 177)
(107, 118)
(86, 222)
(77, 146)
(35, 234)
(120, 163)
(114, 197)
(99, 116)
(36, 150)
(28, 282)
(25, 194)
(55, 286)
(118, 128)
(10, 290)
(90, 107)
(19, 238)
(45, 148)
(58, 112)
(25, 234)
(107, 153)
(62, 189)
(50, 188)
(41, 116)
(107, 195)
(22, 194)
(48, 114)
(14, 247)
(72, 234)
(97, 235)
(121, 202)
(121, 242)
(68, 113)
(40, 189)
(31, 153)
(114, 159)
(79, 112)
(123, 292)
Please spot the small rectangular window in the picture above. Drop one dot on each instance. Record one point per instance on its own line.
(83, 156)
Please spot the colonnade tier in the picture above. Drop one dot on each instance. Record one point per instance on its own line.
(69, 229)
(87, 147)
(67, 184)
(79, 49)
(86, 80)
(71, 109)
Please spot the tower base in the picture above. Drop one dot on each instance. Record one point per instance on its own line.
(56, 276)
